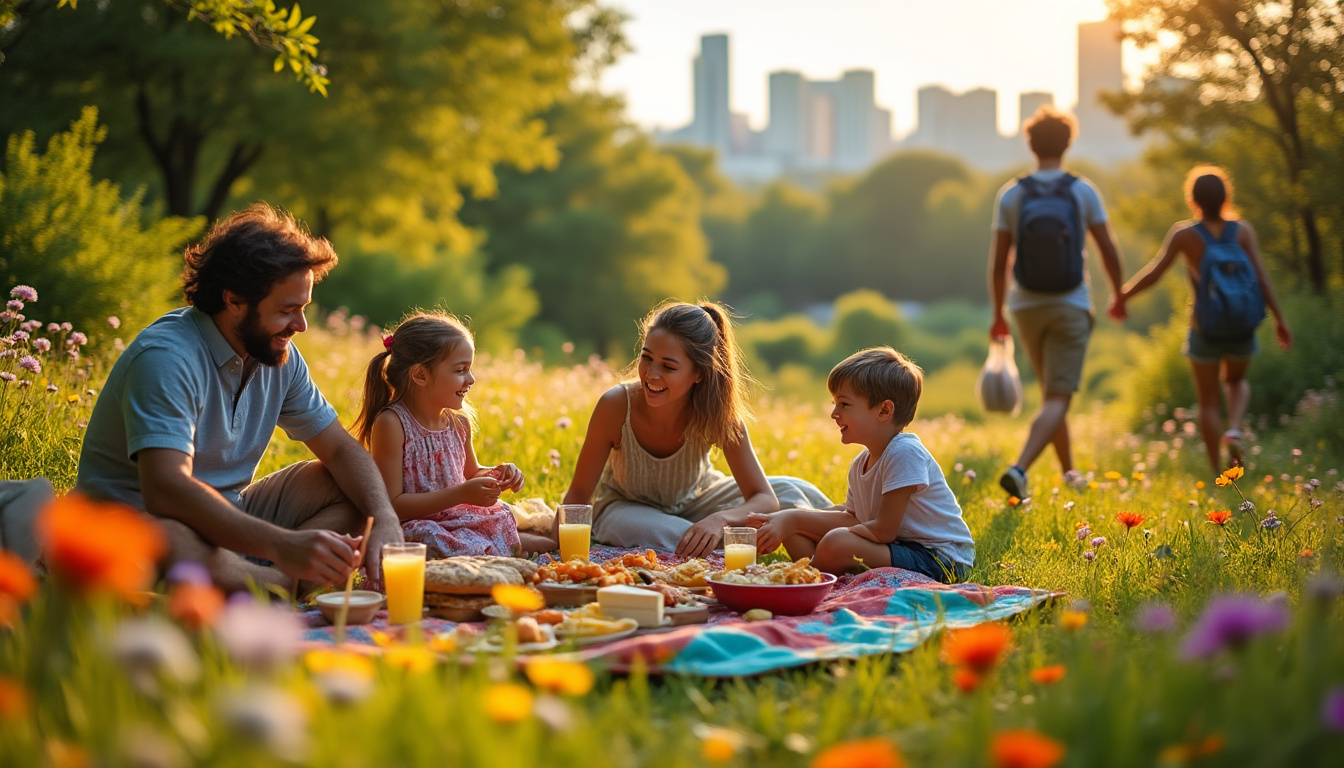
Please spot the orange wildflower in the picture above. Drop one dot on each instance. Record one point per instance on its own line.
(863, 753)
(1025, 749)
(63, 754)
(1048, 675)
(719, 745)
(13, 700)
(1184, 754)
(572, 678)
(978, 647)
(195, 605)
(1013, 501)
(1072, 620)
(1306, 554)
(965, 679)
(1130, 519)
(94, 546)
(1219, 517)
(16, 578)
(1199, 484)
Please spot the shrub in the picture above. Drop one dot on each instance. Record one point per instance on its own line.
(865, 319)
(80, 243)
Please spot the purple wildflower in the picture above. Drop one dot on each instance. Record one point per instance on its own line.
(1155, 619)
(7, 377)
(1089, 555)
(1247, 506)
(1230, 621)
(14, 305)
(1332, 709)
(19, 336)
(25, 292)
(187, 572)
(1271, 521)
(7, 317)
(30, 363)
(257, 634)
(1098, 542)
(1083, 532)
(41, 345)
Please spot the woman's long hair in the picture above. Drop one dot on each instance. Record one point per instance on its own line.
(423, 338)
(718, 409)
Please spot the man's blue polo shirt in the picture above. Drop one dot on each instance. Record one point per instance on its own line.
(175, 387)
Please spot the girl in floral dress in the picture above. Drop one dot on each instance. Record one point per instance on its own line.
(416, 422)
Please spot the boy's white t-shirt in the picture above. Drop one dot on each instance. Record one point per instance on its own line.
(933, 516)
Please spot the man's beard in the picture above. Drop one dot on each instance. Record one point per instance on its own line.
(257, 342)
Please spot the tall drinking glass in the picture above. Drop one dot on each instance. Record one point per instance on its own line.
(404, 577)
(739, 548)
(576, 531)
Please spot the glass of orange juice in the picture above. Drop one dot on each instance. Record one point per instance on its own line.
(739, 548)
(576, 531)
(404, 578)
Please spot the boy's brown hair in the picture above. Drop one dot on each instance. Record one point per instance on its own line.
(878, 374)
(1049, 132)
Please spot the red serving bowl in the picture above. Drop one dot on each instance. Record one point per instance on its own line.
(779, 599)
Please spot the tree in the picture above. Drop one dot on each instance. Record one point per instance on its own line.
(427, 98)
(608, 232)
(1262, 68)
(81, 243)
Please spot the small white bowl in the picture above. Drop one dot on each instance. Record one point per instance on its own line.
(364, 605)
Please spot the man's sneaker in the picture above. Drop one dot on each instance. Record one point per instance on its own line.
(1014, 481)
(1075, 479)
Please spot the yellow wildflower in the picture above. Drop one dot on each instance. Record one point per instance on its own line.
(328, 661)
(517, 598)
(1072, 620)
(412, 658)
(572, 678)
(507, 703)
(1113, 475)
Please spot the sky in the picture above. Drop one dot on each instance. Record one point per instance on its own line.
(1008, 45)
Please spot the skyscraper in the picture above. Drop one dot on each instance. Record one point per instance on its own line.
(1029, 102)
(854, 118)
(1101, 134)
(712, 123)
(786, 135)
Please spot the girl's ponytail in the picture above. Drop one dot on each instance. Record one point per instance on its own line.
(377, 396)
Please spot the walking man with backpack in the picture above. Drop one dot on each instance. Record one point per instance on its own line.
(1040, 227)
(1231, 290)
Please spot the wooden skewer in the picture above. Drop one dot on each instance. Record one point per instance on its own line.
(344, 612)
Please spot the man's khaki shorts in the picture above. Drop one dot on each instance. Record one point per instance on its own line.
(292, 496)
(1055, 336)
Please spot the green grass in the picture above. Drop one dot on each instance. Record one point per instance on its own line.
(1127, 698)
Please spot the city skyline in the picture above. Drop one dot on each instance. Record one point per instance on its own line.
(822, 41)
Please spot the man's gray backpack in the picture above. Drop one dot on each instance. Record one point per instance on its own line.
(1049, 236)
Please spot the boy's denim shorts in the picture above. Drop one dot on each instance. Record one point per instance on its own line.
(1204, 350)
(920, 559)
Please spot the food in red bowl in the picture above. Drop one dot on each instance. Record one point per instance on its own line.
(779, 599)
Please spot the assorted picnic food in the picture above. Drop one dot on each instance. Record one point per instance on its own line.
(800, 572)
(782, 589)
(458, 588)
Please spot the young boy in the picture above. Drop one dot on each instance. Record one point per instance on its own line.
(898, 511)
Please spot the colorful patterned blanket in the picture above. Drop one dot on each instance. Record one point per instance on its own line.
(884, 610)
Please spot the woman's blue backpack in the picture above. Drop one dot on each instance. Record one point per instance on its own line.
(1228, 302)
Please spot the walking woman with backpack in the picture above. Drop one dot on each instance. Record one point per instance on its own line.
(1231, 293)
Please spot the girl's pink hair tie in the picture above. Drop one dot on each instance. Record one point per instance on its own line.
(387, 342)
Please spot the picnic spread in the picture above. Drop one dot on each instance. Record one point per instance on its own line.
(883, 610)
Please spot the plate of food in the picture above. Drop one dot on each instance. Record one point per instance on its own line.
(575, 583)
(587, 626)
(457, 588)
(532, 637)
(784, 589)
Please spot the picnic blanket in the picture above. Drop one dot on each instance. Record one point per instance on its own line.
(883, 610)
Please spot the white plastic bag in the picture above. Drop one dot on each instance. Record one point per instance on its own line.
(999, 387)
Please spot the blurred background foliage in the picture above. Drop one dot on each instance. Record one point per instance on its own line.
(462, 158)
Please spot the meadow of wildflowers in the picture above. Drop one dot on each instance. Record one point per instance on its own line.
(1200, 623)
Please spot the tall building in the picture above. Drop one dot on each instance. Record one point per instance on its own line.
(786, 134)
(963, 124)
(712, 121)
(855, 114)
(1101, 135)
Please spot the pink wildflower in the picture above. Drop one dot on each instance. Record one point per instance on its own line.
(30, 363)
(41, 345)
(7, 377)
(78, 339)
(6, 317)
(24, 292)
(14, 305)
(114, 321)
(19, 336)
(67, 327)
(53, 327)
